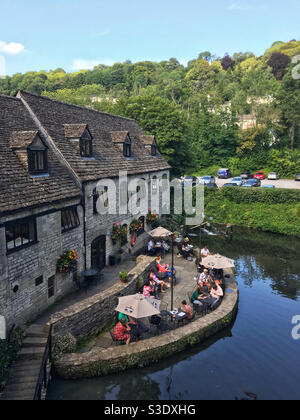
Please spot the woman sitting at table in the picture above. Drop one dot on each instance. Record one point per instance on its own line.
(197, 296)
(162, 268)
(148, 290)
(160, 283)
(186, 309)
(203, 277)
(122, 331)
(216, 293)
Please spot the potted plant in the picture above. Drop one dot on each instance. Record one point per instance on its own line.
(67, 262)
(123, 276)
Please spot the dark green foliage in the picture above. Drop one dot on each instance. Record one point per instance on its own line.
(8, 352)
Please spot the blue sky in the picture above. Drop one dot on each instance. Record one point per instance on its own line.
(75, 34)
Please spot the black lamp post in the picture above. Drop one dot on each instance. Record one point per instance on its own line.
(172, 280)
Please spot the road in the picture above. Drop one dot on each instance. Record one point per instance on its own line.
(280, 183)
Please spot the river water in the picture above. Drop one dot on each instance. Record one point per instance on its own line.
(256, 354)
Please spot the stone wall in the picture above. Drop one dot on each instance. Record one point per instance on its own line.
(96, 313)
(119, 358)
(25, 265)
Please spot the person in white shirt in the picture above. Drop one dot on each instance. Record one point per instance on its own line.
(205, 252)
(216, 293)
(203, 277)
(151, 247)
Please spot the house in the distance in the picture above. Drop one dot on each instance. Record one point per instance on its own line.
(52, 156)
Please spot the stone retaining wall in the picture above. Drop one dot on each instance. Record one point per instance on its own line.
(96, 313)
(100, 362)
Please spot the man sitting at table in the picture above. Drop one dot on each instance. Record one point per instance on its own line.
(203, 277)
(186, 309)
(151, 247)
(205, 252)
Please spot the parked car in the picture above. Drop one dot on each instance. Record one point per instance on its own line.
(252, 183)
(238, 180)
(268, 186)
(246, 175)
(297, 177)
(259, 175)
(189, 181)
(224, 173)
(212, 185)
(273, 175)
(208, 179)
(230, 184)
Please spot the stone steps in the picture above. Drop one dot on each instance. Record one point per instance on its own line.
(35, 342)
(31, 353)
(24, 372)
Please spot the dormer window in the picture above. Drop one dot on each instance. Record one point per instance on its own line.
(150, 144)
(127, 147)
(80, 137)
(37, 157)
(86, 146)
(153, 150)
(123, 142)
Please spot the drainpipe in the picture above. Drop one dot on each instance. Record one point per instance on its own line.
(84, 224)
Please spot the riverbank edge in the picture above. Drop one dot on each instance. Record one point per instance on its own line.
(103, 362)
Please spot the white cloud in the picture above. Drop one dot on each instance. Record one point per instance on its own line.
(11, 47)
(83, 64)
(245, 6)
(98, 34)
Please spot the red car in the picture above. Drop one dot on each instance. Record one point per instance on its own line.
(259, 175)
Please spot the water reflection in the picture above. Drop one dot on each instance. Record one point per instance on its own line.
(257, 353)
(262, 256)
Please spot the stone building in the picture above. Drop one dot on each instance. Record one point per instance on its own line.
(52, 157)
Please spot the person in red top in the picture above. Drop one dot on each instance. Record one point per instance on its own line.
(121, 331)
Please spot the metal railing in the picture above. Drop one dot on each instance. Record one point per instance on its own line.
(43, 375)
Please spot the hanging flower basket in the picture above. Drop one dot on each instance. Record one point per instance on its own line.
(151, 218)
(67, 262)
(135, 226)
(119, 234)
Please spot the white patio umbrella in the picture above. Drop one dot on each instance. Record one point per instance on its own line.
(160, 232)
(217, 261)
(138, 306)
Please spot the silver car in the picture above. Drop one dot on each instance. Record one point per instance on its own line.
(208, 179)
(238, 180)
(273, 175)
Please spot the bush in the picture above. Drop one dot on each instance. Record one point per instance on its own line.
(8, 353)
(63, 344)
(256, 195)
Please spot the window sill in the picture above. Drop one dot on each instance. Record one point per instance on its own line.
(19, 248)
(33, 176)
(69, 229)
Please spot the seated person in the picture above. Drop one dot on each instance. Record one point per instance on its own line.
(205, 252)
(122, 331)
(216, 293)
(162, 268)
(148, 290)
(200, 298)
(159, 282)
(151, 247)
(187, 309)
(182, 251)
(203, 277)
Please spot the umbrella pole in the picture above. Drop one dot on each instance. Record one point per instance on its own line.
(172, 281)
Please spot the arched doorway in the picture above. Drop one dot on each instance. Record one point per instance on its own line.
(98, 253)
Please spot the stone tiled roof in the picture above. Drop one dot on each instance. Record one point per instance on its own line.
(22, 139)
(74, 131)
(148, 140)
(17, 189)
(118, 136)
(108, 159)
